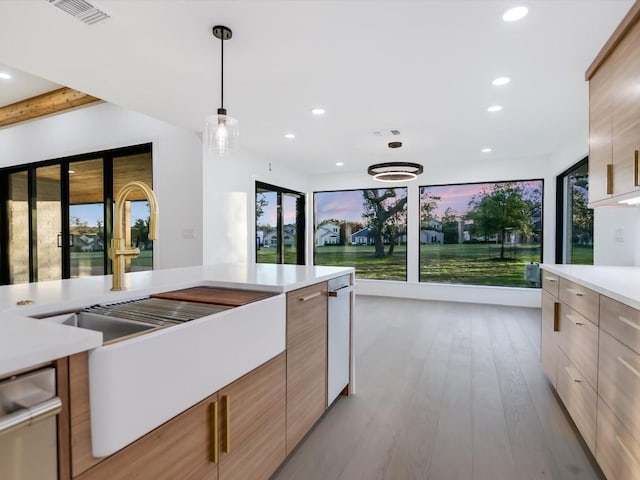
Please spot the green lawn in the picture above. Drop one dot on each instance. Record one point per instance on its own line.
(582, 254)
(270, 255)
(92, 263)
(472, 264)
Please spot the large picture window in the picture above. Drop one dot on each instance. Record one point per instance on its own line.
(365, 229)
(481, 233)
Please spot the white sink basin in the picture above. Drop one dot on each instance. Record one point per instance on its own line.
(137, 384)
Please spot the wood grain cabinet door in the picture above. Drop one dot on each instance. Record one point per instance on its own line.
(252, 423)
(601, 134)
(625, 61)
(550, 325)
(306, 360)
(181, 448)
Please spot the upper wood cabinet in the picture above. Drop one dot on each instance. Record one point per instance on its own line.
(306, 360)
(614, 115)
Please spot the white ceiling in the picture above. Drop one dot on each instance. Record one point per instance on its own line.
(21, 85)
(423, 67)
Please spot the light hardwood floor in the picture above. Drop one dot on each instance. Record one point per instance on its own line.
(444, 391)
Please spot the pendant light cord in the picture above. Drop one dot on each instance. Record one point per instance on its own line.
(222, 72)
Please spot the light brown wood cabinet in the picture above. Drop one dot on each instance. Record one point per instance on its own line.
(614, 115)
(597, 368)
(252, 430)
(306, 360)
(181, 448)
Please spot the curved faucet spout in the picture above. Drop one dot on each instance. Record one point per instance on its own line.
(119, 250)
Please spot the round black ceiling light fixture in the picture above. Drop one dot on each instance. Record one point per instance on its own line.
(395, 171)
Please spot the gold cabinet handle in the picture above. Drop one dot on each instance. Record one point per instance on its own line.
(631, 323)
(551, 279)
(578, 293)
(609, 179)
(636, 180)
(556, 316)
(215, 447)
(309, 297)
(227, 423)
(574, 319)
(576, 380)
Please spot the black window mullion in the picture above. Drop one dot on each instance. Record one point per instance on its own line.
(300, 230)
(107, 188)
(64, 205)
(4, 229)
(33, 226)
(280, 228)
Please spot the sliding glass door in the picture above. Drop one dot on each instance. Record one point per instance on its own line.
(56, 216)
(279, 225)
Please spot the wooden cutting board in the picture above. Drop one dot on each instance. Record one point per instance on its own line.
(219, 296)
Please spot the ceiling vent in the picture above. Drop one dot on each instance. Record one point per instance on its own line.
(386, 133)
(82, 10)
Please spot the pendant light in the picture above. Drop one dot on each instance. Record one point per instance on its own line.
(221, 131)
(395, 171)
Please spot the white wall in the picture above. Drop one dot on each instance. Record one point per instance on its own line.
(477, 171)
(177, 165)
(228, 216)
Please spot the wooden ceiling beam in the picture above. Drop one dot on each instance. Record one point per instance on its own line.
(46, 104)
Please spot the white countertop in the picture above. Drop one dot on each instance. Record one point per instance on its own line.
(25, 342)
(619, 283)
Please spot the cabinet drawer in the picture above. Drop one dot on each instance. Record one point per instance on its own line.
(581, 299)
(550, 282)
(621, 321)
(579, 341)
(618, 453)
(619, 381)
(579, 399)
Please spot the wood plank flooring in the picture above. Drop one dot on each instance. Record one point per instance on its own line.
(444, 392)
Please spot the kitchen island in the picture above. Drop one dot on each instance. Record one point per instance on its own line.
(140, 385)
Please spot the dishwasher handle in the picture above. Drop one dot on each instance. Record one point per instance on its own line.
(27, 416)
(345, 290)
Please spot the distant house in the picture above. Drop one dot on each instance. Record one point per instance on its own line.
(431, 232)
(327, 233)
(362, 237)
(428, 236)
(87, 242)
(270, 239)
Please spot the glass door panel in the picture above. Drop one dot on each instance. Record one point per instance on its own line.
(267, 250)
(86, 218)
(18, 223)
(125, 169)
(290, 228)
(49, 223)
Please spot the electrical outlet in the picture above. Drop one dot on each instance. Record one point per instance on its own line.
(619, 235)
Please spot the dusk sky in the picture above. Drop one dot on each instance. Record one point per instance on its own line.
(459, 196)
(92, 212)
(344, 205)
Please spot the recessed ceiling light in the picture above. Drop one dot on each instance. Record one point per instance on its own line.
(485, 150)
(318, 111)
(289, 135)
(494, 108)
(5, 76)
(72, 171)
(514, 14)
(501, 81)
(339, 164)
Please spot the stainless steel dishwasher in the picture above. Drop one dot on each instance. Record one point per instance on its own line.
(339, 335)
(28, 433)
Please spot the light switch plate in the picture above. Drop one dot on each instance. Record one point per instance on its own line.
(619, 235)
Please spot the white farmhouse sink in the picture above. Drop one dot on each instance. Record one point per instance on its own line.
(137, 384)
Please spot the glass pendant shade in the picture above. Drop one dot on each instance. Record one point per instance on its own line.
(221, 132)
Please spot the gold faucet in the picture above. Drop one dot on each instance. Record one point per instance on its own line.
(120, 251)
